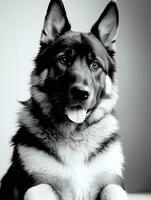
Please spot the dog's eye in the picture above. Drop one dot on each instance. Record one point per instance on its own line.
(95, 65)
(63, 60)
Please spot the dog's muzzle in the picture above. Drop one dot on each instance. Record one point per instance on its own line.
(78, 96)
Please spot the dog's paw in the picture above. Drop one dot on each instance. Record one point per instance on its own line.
(40, 192)
(113, 192)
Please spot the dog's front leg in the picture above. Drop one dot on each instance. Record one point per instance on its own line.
(113, 192)
(41, 192)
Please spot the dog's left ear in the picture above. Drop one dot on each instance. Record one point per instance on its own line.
(56, 22)
(106, 27)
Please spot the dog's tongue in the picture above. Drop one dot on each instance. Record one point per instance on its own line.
(76, 114)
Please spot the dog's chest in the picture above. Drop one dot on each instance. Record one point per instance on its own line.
(73, 179)
(79, 178)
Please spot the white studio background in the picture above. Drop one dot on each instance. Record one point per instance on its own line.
(20, 28)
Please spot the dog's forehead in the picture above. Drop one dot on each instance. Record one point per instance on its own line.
(83, 43)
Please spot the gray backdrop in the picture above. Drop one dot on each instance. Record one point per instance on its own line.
(20, 27)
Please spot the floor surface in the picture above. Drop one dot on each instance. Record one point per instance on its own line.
(139, 196)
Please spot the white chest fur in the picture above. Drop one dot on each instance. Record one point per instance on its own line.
(74, 178)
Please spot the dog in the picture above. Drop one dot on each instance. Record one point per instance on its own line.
(67, 146)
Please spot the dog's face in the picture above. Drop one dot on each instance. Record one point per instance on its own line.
(74, 71)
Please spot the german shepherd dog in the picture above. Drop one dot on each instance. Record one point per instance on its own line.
(67, 146)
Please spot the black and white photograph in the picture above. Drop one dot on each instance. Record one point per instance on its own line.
(75, 113)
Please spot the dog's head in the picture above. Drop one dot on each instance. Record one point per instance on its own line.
(74, 71)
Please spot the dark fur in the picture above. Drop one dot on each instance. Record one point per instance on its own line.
(81, 50)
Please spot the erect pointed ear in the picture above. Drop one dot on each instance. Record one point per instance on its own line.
(56, 22)
(106, 27)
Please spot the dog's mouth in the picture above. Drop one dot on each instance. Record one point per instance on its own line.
(77, 114)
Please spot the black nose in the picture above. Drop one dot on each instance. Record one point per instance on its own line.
(79, 93)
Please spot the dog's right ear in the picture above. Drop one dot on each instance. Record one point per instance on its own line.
(56, 22)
